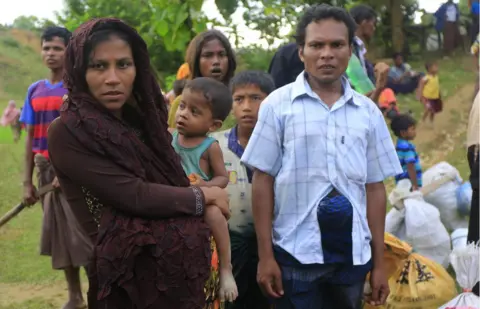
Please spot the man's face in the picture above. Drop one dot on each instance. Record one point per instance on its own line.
(398, 60)
(326, 51)
(53, 52)
(368, 27)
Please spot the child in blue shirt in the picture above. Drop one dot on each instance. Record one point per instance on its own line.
(404, 127)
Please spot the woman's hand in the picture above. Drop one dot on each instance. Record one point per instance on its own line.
(215, 196)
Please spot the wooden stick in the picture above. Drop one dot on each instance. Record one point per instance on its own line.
(17, 209)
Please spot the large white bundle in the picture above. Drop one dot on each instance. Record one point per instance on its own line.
(421, 226)
(465, 263)
(395, 223)
(445, 197)
(459, 238)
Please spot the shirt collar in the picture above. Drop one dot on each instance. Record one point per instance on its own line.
(301, 87)
(360, 44)
(238, 150)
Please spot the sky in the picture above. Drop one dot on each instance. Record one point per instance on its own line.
(46, 9)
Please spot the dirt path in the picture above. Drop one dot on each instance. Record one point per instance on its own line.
(437, 142)
(55, 294)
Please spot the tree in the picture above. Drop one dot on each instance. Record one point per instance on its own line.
(269, 17)
(167, 26)
(29, 23)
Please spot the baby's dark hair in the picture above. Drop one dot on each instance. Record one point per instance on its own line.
(178, 86)
(401, 123)
(216, 93)
(258, 78)
(429, 64)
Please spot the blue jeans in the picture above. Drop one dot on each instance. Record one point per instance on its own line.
(319, 294)
(337, 283)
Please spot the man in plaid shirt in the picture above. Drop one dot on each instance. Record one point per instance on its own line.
(321, 152)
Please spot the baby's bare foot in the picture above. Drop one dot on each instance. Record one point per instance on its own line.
(228, 287)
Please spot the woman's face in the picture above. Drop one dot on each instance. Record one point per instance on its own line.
(214, 60)
(111, 73)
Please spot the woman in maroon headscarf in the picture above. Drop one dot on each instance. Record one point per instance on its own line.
(113, 157)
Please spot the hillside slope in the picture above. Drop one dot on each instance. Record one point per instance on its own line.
(20, 64)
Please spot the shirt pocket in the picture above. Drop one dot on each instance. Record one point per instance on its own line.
(352, 154)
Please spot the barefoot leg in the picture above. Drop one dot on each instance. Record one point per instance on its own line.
(219, 227)
(75, 297)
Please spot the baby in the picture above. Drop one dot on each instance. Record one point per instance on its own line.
(204, 105)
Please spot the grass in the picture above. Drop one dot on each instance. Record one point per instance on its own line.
(20, 65)
(21, 265)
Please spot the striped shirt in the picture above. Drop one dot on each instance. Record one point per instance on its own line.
(40, 109)
(407, 154)
(310, 149)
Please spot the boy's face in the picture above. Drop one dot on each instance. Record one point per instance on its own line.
(53, 52)
(433, 69)
(246, 103)
(368, 27)
(398, 60)
(410, 133)
(194, 115)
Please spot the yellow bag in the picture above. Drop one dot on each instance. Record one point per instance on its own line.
(415, 281)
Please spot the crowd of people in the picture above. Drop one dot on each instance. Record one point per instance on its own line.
(163, 210)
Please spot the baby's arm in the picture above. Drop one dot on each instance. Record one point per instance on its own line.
(219, 227)
(217, 166)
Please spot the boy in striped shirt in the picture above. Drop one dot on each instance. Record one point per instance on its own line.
(404, 127)
(62, 238)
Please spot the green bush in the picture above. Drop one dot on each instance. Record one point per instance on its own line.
(10, 42)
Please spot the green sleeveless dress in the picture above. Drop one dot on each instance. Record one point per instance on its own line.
(191, 156)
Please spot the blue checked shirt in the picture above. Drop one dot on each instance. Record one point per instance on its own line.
(309, 149)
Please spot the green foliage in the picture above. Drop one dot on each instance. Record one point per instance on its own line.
(31, 23)
(167, 26)
(10, 42)
(26, 23)
(169, 80)
(253, 58)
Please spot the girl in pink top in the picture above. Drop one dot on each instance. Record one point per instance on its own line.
(10, 117)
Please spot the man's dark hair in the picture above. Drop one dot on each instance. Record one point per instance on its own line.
(178, 86)
(362, 13)
(319, 12)
(396, 55)
(257, 78)
(217, 94)
(401, 123)
(54, 31)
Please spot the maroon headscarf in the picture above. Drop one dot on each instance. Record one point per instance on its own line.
(103, 133)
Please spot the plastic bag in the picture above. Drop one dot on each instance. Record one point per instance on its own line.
(358, 77)
(415, 281)
(422, 226)
(459, 238)
(464, 198)
(445, 197)
(395, 223)
(465, 263)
